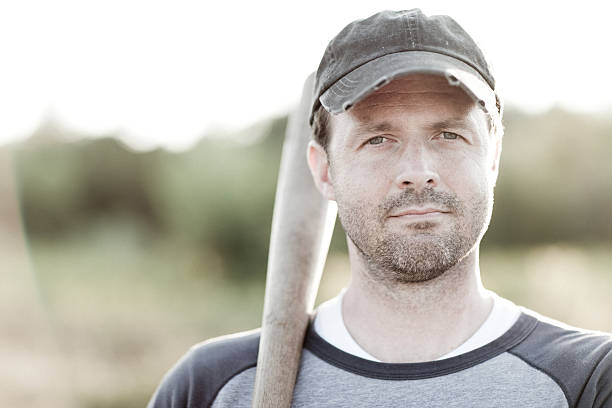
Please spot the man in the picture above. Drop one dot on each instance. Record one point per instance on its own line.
(407, 141)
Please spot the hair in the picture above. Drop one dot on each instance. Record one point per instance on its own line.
(322, 118)
(320, 127)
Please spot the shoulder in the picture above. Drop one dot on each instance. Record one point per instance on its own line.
(551, 337)
(197, 377)
(579, 360)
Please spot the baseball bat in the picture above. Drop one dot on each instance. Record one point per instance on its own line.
(302, 225)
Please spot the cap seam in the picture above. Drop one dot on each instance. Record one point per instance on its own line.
(412, 26)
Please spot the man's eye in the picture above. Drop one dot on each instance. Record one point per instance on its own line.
(450, 135)
(376, 140)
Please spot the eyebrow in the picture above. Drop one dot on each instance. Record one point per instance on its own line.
(448, 123)
(385, 126)
(374, 128)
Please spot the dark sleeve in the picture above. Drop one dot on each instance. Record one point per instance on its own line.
(580, 362)
(598, 390)
(197, 377)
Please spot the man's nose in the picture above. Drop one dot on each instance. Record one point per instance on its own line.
(417, 169)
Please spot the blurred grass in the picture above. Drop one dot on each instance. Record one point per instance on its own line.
(568, 283)
(125, 307)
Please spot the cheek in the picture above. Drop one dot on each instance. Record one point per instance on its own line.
(466, 172)
(360, 182)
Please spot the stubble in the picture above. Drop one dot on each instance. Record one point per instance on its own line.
(416, 252)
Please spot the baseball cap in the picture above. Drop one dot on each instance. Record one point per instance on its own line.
(367, 54)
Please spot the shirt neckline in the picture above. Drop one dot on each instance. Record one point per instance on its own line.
(411, 371)
(329, 324)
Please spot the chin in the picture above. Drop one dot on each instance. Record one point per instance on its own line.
(418, 259)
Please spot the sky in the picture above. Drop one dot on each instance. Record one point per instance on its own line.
(163, 73)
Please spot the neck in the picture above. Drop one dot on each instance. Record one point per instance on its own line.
(419, 321)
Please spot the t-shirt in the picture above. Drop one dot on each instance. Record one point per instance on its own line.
(329, 324)
(535, 363)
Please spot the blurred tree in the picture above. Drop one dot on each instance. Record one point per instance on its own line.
(66, 186)
(554, 185)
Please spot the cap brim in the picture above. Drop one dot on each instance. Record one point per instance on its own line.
(375, 74)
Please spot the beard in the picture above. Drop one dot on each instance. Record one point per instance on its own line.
(418, 251)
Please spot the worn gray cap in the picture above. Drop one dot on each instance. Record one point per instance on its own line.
(369, 53)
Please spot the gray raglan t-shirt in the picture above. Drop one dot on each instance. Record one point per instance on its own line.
(534, 364)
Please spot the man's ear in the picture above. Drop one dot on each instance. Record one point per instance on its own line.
(319, 168)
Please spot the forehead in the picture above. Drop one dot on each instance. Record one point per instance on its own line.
(426, 97)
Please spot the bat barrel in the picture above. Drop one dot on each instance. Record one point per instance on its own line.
(301, 230)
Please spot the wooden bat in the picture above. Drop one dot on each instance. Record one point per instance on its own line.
(302, 226)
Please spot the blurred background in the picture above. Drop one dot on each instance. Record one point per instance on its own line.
(140, 146)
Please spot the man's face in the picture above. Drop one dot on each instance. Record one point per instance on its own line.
(412, 169)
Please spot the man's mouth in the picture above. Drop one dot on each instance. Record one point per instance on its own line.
(417, 212)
